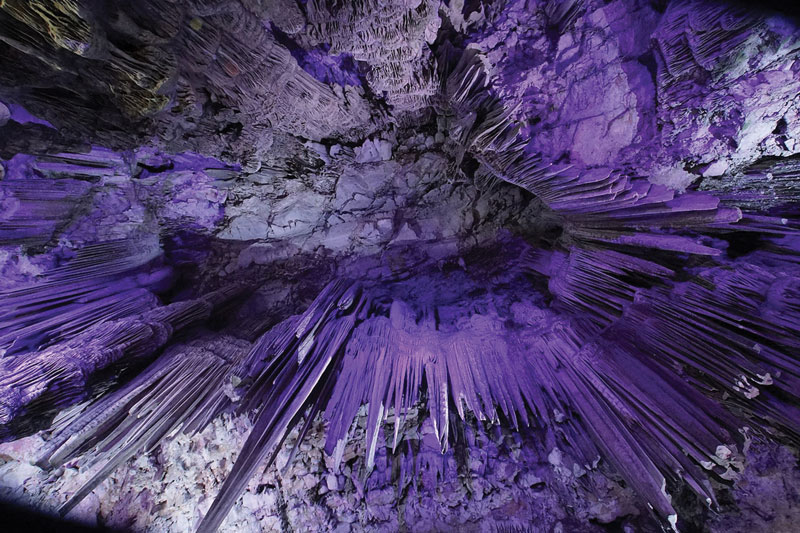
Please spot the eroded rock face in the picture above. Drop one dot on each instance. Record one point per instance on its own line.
(400, 265)
(675, 92)
(500, 484)
(195, 75)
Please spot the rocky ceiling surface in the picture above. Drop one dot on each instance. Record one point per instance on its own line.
(412, 265)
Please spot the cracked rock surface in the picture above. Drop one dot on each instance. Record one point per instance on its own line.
(407, 265)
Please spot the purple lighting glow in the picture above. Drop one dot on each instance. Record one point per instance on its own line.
(525, 265)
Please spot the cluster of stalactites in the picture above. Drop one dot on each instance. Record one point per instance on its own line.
(97, 313)
(167, 62)
(392, 37)
(697, 40)
(632, 361)
(179, 391)
(33, 209)
(599, 368)
(99, 282)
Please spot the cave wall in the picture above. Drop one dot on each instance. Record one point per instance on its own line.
(587, 209)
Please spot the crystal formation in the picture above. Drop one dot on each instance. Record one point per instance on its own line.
(414, 265)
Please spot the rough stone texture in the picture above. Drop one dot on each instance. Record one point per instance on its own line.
(498, 484)
(766, 496)
(690, 91)
(599, 198)
(501, 483)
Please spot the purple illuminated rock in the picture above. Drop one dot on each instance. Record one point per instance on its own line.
(37, 384)
(398, 265)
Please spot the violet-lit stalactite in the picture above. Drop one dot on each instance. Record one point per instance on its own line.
(296, 378)
(100, 282)
(32, 209)
(37, 384)
(166, 397)
(737, 329)
(191, 383)
(391, 357)
(395, 241)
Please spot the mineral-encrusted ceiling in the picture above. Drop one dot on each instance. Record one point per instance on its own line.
(483, 265)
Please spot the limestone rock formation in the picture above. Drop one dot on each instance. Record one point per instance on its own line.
(418, 265)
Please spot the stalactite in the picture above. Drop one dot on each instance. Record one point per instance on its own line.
(176, 55)
(167, 397)
(646, 422)
(293, 381)
(37, 384)
(391, 38)
(34, 209)
(103, 281)
(413, 234)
